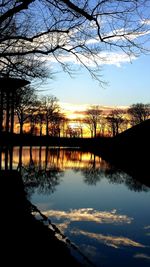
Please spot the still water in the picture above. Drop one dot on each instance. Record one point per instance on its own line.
(102, 210)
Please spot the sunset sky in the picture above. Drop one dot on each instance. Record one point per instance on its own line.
(127, 83)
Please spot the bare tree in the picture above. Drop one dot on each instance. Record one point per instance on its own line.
(115, 120)
(40, 118)
(103, 124)
(25, 104)
(50, 108)
(18, 65)
(93, 119)
(139, 112)
(30, 30)
(55, 124)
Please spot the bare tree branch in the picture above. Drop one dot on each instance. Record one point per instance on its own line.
(84, 28)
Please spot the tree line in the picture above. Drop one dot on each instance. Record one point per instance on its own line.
(44, 116)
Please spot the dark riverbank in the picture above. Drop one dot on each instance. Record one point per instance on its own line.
(25, 240)
(7, 139)
(129, 151)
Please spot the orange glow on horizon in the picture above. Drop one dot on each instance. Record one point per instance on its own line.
(76, 115)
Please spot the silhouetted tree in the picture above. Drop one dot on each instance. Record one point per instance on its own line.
(40, 119)
(32, 29)
(32, 120)
(51, 109)
(115, 120)
(20, 64)
(64, 123)
(55, 124)
(25, 104)
(93, 119)
(139, 112)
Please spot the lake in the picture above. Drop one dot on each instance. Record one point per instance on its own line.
(102, 210)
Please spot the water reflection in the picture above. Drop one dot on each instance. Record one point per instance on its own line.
(142, 256)
(43, 167)
(112, 241)
(89, 215)
(89, 200)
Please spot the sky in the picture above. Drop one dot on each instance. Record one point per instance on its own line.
(127, 83)
(127, 79)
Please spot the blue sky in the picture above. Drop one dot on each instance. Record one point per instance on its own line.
(128, 83)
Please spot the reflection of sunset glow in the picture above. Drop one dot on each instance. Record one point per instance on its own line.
(60, 158)
(89, 214)
(113, 241)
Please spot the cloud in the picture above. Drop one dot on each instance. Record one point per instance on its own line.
(73, 107)
(146, 22)
(102, 58)
(74, 111)
(115, 58)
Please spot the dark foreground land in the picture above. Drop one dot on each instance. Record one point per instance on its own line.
(130, 151)
(25, 241)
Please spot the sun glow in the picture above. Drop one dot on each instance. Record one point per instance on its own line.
(73, 111)
(75, 121)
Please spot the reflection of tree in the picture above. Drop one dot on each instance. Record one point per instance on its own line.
(73, 155)
(116, 176)
(42, 168)
(45, 179)
(92, 174)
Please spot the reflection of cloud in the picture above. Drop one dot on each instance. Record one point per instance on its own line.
(147, 227)
(63, 226)
(89, 250)
(89, 214)
(113, 241)
(142, 256)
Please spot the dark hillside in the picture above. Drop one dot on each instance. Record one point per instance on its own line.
(131, 151)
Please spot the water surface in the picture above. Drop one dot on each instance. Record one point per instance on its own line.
(102, 210)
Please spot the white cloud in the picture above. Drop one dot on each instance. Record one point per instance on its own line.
(146, 22)
(103, 58)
